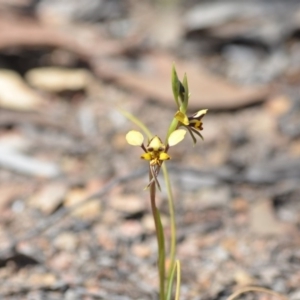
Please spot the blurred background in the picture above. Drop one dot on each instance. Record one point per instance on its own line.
(66, 69)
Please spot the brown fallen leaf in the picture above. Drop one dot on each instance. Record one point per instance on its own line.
(25, 32)
(153, 81)
(55, 80)
(16, 94)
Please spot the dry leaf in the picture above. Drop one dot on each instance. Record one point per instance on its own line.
(15, 94)
(55, 80)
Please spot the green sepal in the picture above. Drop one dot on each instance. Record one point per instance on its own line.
(186, 94)
(181, 94)
(175, 85)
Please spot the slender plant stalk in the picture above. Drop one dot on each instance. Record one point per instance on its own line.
(156, 152)
(173, 225)
(137, 122)
(160, 239)
(178, 283)
(173, 127)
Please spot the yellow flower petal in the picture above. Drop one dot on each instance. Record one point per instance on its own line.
(146, 156)
(176, 137)
(134, 138)
(164, 156)
(200, 113)
(181, 117)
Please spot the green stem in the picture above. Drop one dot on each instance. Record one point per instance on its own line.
(173, 225)
(173, 126)
(160, 239)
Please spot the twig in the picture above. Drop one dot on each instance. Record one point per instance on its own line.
(256, 289)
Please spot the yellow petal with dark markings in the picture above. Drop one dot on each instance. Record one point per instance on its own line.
(146, 156)
(156, 144)
(182, 118)
(164, 156)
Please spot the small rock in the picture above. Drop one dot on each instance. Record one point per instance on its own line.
(49, 197)
(278, 105)
(189, 247)
(141, 250)
(130, 204)
(14, 141)
(131, 229)
(243, 278)
(239, 205)
(27, 165)
(263, 220)
(213, 197)
(295, 295)
(44, 280)
(62, 261)
(105, 238)
(67, 241)
(294, 148)
(89, 210)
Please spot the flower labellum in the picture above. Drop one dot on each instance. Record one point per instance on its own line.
(195, 120)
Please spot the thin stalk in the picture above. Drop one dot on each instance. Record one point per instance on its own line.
(170, 287)
(173, 224)
(160, 239)
(137, 122)
(178, 283)
(172, 127)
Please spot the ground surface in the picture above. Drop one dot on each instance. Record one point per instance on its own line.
(62, 143)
